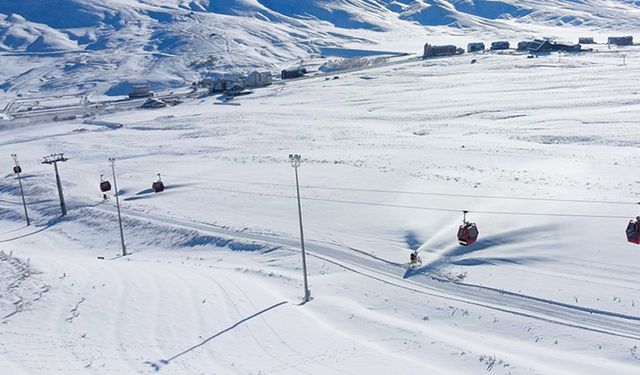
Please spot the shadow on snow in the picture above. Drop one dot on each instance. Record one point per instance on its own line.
(509, 237)
(157, 366)
(148, 193)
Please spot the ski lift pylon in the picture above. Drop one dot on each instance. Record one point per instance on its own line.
(467, 232)
(158, 186)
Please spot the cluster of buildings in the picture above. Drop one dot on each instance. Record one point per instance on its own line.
(230, 85)
(227, 84)
(531, 46)
(143, 90)
(234, 85)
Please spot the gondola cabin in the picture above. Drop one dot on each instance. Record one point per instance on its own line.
(17, 169)
(158, 186)
(467, 232)
(105, 186)
(633, 231)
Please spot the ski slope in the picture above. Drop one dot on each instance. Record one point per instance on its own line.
(540, 151)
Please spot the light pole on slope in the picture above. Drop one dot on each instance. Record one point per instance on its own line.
(117, 194)
(295, 163)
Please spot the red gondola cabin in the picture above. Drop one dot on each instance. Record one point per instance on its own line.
(467, 232)
(633, 231)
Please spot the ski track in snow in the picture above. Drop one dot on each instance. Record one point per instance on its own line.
(533, 307)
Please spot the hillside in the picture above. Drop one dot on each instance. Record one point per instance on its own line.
(540, 151)
(207, 275)
(88, 46)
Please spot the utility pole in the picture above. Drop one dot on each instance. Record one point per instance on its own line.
(117, 194)
(54, 159)
(295, 163)
(17, 170)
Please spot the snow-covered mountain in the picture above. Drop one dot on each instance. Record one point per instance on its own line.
(540, 151)
(172, 41)
(206, 277)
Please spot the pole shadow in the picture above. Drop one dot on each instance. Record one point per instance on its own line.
(17, 229)
(157, 366)
(87, 205)
(120, 256)
(28, 234)
(10, 202)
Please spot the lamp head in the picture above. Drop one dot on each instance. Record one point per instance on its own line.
(295, 160)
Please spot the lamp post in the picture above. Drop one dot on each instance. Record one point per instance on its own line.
(17, 170)
(295, 163)
(117, 194)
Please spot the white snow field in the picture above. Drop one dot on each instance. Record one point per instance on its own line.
(542, 152)
(391, 156)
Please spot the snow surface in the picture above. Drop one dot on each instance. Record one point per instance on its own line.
(214, 281)
(393, 150)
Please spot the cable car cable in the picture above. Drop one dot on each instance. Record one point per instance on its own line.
(457, 195)
(391, 205)
(440, 209)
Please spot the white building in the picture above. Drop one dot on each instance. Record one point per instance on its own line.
(141, 90)
(258, 79)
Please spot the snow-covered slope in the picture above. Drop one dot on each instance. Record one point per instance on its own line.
(542, 151)
(18, 34)
(174, 42)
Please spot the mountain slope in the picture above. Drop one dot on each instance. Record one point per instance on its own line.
(176, 40)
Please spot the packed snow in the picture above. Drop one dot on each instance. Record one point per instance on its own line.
(541, 151)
